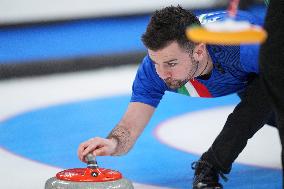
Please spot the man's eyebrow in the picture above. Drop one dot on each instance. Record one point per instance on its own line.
(168, 61)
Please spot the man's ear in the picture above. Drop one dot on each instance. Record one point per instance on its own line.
(199, 51)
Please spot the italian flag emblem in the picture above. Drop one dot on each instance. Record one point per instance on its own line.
(194, 88)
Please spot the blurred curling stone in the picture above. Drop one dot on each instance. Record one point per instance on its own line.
(91, 177)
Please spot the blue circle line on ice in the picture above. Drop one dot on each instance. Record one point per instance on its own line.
(51, 136)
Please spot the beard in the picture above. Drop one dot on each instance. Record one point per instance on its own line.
(175, 83)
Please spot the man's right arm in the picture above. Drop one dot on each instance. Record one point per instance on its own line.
(147, 91)
(123, 136)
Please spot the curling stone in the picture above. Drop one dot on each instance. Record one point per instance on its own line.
(91, 177)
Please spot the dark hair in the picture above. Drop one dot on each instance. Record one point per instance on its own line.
(168, 25)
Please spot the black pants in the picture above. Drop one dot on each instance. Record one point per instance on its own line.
(251, 114)
(272, 63)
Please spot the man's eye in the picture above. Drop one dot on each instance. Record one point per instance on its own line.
(172, 64)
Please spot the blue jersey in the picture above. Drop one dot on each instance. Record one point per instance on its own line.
(232, 66)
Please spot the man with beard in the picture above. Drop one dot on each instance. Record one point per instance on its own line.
(178, 65)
